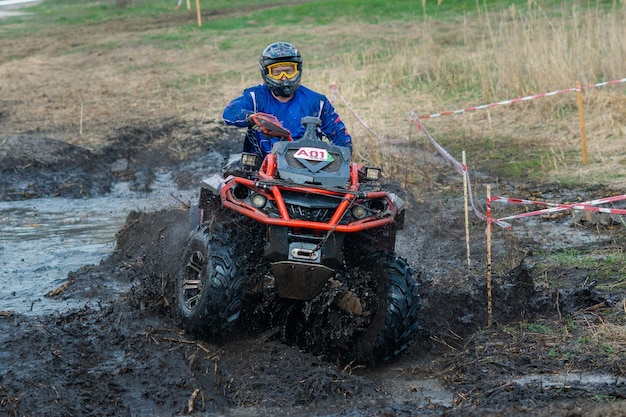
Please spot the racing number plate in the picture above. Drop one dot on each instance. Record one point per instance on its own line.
(314, 154)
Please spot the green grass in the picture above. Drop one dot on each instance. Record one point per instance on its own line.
(79, 11)
(266, 12)
(607, 269)
(539, 328)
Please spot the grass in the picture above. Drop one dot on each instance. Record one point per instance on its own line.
(573, 252)
(78, 12)
(264, 12)
(539, 328)
(572, 342)
(582, 266)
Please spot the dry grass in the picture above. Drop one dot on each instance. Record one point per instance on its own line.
(582, 342)
(435, 67)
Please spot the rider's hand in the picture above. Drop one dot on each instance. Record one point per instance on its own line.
(253, 120)
(268, 124)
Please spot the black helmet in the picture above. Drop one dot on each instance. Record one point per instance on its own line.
(279, 52)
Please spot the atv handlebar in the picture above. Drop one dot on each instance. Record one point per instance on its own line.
(271, 126)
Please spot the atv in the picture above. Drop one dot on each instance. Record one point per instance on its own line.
(304, 242)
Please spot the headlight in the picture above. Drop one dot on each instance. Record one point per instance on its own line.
(372, 174)
(258, 200)
(359, 212)
(378, 206)
(249, 160)
(241, 192)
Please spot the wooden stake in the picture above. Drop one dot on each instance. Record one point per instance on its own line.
(188, 5)
(198, 11)
(581, 118)
(489, 304)
(465, 187)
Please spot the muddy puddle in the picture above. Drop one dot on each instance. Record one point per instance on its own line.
(44, 239)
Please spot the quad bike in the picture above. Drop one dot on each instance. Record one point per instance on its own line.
(304, 241)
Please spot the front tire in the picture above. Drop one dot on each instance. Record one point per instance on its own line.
(385, 323)
(394, 324)
(210, 284)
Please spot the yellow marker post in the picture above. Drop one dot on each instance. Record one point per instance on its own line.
(199, 14)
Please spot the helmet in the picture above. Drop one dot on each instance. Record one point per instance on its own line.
(281, 52)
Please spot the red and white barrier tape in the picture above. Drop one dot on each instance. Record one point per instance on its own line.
(518, 100)
(555, 207)
(462, 169)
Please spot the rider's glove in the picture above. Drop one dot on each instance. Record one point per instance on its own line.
(268, 125)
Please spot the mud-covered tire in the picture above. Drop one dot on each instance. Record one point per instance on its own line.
(394, 324)
(387, 322)
(210, 283)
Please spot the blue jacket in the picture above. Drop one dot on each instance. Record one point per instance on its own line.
(305, 102)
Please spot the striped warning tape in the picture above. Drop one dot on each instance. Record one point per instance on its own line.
(462, 168)
(556, 207)
(518, 100)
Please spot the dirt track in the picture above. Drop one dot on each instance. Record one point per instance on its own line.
(124, 354)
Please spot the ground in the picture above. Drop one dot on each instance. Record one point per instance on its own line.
(125, 353)
(553, 350)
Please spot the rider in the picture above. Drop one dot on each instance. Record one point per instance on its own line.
(282, 96)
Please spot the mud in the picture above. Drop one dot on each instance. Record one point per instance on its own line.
(123, 353)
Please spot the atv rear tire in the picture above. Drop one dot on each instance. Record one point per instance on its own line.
(210, 284)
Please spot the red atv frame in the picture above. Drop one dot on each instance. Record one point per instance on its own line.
(314, 233)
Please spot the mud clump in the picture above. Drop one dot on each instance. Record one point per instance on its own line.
(34, 166)
(117, 360)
